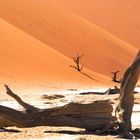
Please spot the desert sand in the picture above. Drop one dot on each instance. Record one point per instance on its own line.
(38, 40)
(28, 62)
(69, 34)
(120, 17)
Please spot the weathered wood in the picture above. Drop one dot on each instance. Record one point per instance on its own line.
(114, 90)
(126, 99)
(28, 107)
(92, 116)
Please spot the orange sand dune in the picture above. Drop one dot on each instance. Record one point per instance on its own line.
(27, 61)
(69, 34)
(120, 17)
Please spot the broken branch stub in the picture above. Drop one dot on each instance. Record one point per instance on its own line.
(115, 78)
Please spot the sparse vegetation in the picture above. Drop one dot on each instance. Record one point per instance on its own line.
(77, 60)
(79, 67)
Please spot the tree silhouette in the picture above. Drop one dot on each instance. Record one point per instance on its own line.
(77, 59)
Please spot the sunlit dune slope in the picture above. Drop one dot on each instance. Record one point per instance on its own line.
(120, 17)
(23, 58)
(69, 34)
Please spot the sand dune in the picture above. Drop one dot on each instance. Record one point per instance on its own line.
(37, 43)
(29, 63)
(120, 17)
(69, 34)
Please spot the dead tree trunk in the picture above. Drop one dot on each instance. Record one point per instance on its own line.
(126, 99)
(96, 115)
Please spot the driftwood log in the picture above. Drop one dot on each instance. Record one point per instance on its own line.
(93, 116)
(126, 100)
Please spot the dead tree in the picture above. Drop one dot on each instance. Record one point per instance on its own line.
(92, 116)
(76, 60)
(96, 115)
(115, 78)
(126, 100)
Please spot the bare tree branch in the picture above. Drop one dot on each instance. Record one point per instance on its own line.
(115, 78)
(77, 61)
